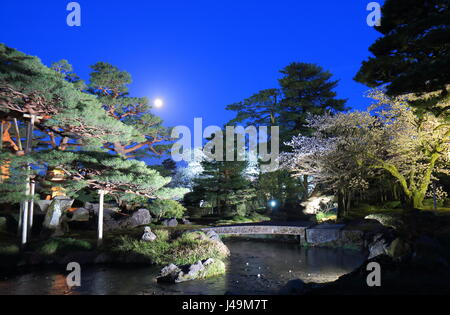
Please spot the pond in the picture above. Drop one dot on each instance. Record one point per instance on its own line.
(255, 267)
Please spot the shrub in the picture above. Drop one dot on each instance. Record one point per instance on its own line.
(167, 209)
(63, 245)
(186, 249)
(9, 250)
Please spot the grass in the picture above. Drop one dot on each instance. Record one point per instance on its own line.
(216, 268)
(55, 246)
(185, 249)
(323, 217)
(392, 207)
(9, 250)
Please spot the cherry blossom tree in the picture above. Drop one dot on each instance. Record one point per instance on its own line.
(347, 149)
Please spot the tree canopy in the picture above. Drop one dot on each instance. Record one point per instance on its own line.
(413, 54)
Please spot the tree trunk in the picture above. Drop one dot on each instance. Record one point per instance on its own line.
(305, 187)
(341, 205)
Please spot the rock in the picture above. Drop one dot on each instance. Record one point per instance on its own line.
(54, 216)
(388, 220)
(213, 236)
(194, 269)
(352, 238)
(108, 211)
(208, 262)
(170, 223)
(294, 287)
(316, 204)
(398, 249)
(186, 221)
(80, 215)
(380, 244)
(148, 236)
(169, 274)
(138, 218)
(199, 270)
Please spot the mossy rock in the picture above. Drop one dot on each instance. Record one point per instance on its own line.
(389, 220)
(398, 249)
(200, 270)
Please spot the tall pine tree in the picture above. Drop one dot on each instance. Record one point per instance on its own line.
(413, 55)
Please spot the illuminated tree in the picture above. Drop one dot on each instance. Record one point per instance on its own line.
(347, 148)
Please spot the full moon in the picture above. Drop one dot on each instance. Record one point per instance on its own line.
(158, 103)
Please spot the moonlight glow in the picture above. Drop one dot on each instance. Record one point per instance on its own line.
(158, 103)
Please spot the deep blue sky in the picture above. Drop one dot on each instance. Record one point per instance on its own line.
(199, 56)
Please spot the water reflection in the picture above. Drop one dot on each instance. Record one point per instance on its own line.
(254, 268)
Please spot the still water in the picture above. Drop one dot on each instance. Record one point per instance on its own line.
(254, 267)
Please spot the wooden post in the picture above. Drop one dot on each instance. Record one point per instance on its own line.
(100, 217)
(25, 219)
(31, 205)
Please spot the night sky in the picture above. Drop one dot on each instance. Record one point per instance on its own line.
(199, 56)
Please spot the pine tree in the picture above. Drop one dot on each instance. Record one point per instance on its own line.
(224, 187)
(110, 85)
(413, 55)
(308, 90)
(261, 109)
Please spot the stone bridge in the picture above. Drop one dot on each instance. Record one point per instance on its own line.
(308, 232)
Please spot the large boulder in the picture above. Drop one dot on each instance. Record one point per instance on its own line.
(199, 270)
(388, 243)
(138, 218)
(319, 203)
(79, 215)
(170, 222)
(53, 221)
(388, 220)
